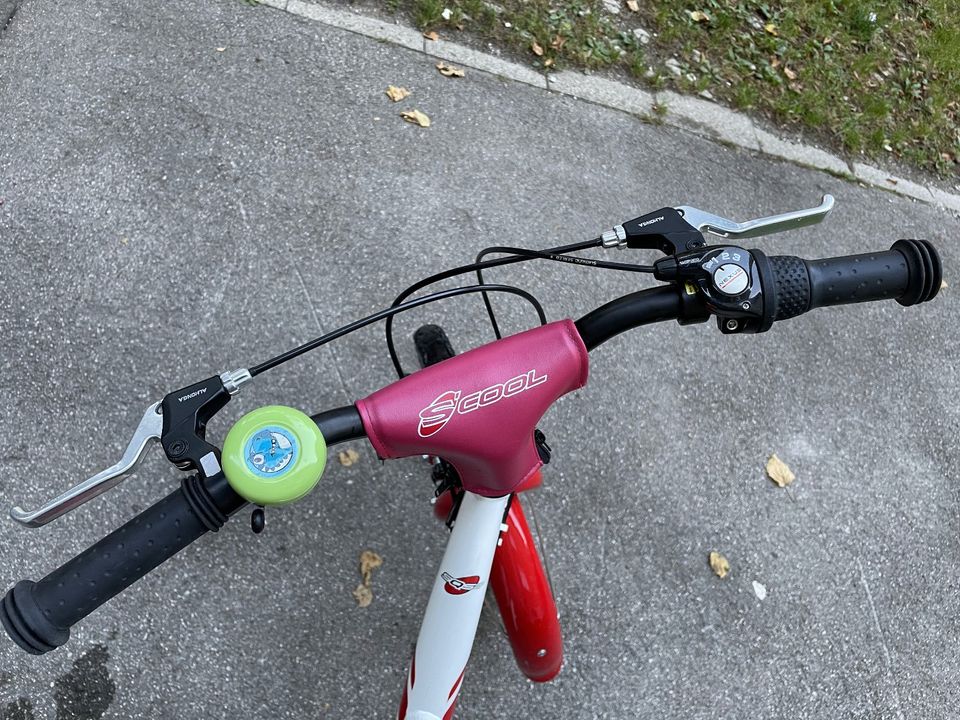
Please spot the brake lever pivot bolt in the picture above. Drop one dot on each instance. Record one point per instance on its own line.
(178, 448)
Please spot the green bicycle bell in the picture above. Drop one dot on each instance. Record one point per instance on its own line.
(274, 455)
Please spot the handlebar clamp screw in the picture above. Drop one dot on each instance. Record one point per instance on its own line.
(745, 305)
(732, 324)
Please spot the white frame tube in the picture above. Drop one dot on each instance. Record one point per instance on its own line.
(450, 621)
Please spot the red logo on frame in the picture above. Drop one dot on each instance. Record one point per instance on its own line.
(459, 586)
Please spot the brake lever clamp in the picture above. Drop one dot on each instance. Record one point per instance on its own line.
(674, 230)
(186, 413)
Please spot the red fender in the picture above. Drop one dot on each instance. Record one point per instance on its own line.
(525, 600)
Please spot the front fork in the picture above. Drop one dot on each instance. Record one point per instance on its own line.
(450, 622)
(523, 592)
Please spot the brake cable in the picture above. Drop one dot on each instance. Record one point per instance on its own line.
(557, 254)
(389, 313)
(550, 255)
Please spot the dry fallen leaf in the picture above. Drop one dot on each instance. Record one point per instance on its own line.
(363, 595)
(943, 285)
(449, 70)
(720, 565)
(369, 561)
(417, 118)
(772, 29)
(778, 471)
(633, 6)
(558, 42)
(397, 93)
(548, 62)
(348, 457)
(699, 16)
(432, 35)
(536, 48)
(221, 49)
(791, 75)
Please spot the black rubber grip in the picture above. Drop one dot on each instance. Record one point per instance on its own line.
(38, 615)
(910, 273)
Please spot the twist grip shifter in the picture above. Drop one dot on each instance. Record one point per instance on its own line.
(748, 291)
(730, 281)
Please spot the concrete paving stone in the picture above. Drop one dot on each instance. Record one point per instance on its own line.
(945, 199)
(704, 116)
(605, 92)
(804, 154)
(355, 22)
(880, 178)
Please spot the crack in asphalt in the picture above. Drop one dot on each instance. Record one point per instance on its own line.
(8, 10)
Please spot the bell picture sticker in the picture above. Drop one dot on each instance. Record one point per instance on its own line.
(270, 451)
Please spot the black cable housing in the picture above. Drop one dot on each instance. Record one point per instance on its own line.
(557, 254)
(390, 312)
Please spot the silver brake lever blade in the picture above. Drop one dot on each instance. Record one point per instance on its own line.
(705, 222)
(149, 429)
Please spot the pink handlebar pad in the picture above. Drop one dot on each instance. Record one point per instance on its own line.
(478, 410)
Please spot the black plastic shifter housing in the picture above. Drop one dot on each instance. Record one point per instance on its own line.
(728, 280)
(185, 416)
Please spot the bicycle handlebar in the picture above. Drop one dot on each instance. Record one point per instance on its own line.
(38, 615)
(628, 312)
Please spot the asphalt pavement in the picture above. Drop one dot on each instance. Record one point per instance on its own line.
(189, 187)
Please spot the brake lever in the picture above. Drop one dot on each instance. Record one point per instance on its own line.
(178, 421)
(150, 428)
(716, 225)
(680, 229)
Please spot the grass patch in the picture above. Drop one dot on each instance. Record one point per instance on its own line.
(877, 78)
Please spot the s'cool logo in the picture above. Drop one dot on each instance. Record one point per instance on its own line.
(437, 414)
(459, 586)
